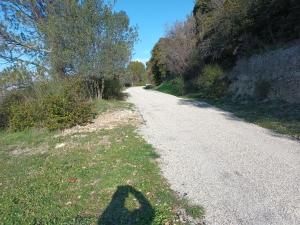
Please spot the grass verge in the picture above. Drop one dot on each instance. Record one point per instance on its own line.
(104, 177)
(172, 87)
(279, 116)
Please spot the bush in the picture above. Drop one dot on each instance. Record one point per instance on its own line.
(64, 111)
(173, 87)
(53, 112)
(112, 89)
(211, 81)
(52, 105)
(11, 98)
(24, 115)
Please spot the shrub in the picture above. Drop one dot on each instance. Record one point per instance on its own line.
(52, 105)
(24, 115)
(11, 98)
(53, 112)
(112, 89)
(64, 111)
(174, 87)
(209, 75)
(210, 81)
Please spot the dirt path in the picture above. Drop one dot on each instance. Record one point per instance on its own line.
(239, 172)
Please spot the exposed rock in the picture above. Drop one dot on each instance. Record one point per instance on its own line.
(279, 67)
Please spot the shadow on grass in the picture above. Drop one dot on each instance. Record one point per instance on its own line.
(118, 213)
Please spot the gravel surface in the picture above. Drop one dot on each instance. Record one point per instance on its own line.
(239, 172)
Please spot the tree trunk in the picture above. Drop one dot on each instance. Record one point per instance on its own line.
(101, 88)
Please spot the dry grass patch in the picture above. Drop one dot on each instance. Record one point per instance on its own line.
(19, 151)
(108, 120)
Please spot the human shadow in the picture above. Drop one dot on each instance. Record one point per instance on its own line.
(117, 213)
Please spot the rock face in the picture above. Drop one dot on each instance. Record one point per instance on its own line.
(279, 67)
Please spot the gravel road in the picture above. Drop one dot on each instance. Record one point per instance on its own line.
(239, 172)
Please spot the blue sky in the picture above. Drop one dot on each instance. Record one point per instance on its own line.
(151, 17)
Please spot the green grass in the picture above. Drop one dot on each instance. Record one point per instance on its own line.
(105, 177)
(173, 87)
(279, 116)
(105, 105)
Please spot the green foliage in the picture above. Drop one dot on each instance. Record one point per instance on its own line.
(101, 106)
(88, 38)
(52, 112)
(202, 7)
(17, 77)
(66, 38)
(210, 81)
(173, 87)
(224, 31)
(21, 41)
(53, 105)
(136, 73)
(24, 115)
(38, 180)
(230, 28)
(64, 111)
(157, 64)
(209, 75)
(279, 116)
(10, 99)
(113, 89)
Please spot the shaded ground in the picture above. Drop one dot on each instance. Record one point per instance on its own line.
(240, 173)
(279, 116)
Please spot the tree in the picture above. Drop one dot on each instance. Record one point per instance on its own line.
(15, 78)
(68, 37)
(179, 46)
(227, 29)
(89, 39)
(157, 64)
(136, 73)
(20, 38)
(172, 55)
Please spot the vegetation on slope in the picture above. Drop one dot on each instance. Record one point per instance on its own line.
(60, 55)
(216, 35)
